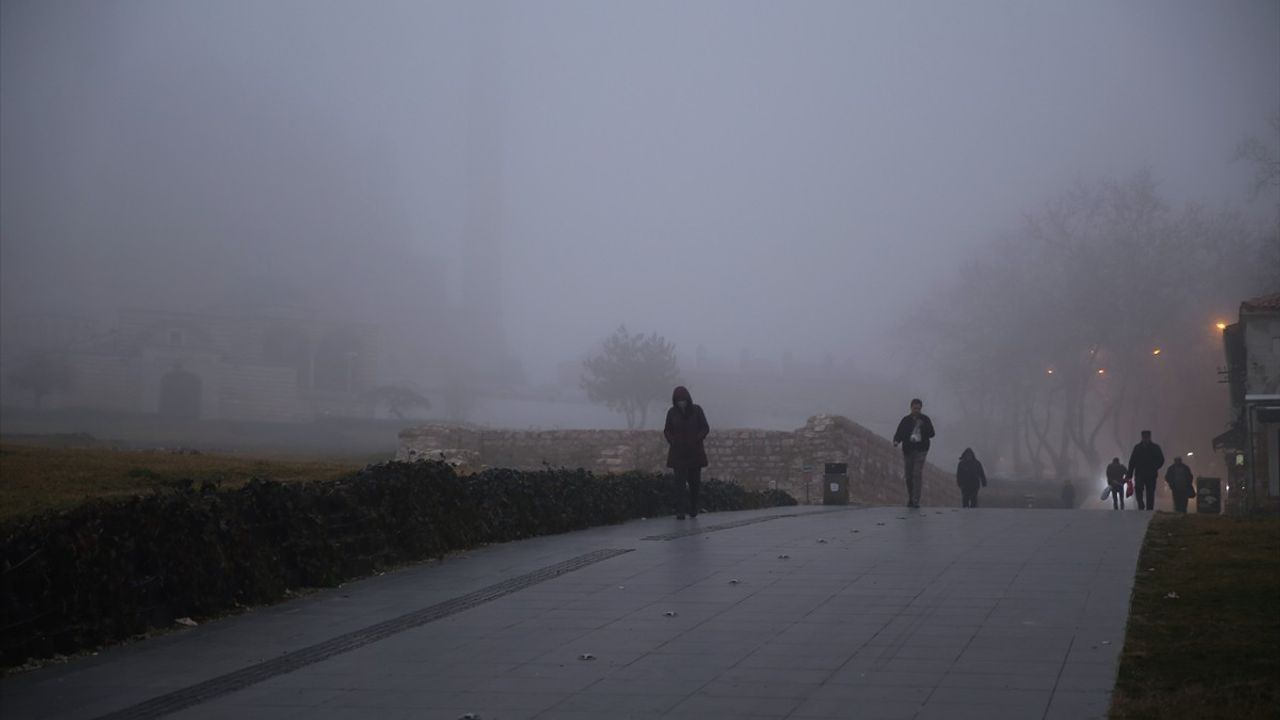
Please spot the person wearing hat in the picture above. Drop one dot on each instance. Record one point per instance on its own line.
(1144, 468)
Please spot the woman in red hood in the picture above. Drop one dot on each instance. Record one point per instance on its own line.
(685, 430)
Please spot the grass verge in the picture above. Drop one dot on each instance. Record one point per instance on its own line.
(35, 479)
(1204, 624)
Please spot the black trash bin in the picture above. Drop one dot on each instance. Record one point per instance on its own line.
(835, 484)
(1208, 495)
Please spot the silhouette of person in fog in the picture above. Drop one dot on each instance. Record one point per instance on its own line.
(1144, 467)
(970, 476)
(1068, 495)
(1115, 480)
(1181, 485)
(913, 434)
(685, 431)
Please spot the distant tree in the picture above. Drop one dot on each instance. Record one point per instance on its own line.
(631, 373)
(399, 399)
(1264, 156)
(41, 376)
(1059, 341)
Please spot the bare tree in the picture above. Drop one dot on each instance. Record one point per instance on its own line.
(1264, 156)
(631, 373)
(399, 399)
(1093, 317)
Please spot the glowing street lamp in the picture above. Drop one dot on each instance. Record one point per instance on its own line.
(1222, 326)
(1050, 371)
(1102, 371)
(1156, 351)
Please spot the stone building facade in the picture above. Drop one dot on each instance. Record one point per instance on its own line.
(1252, 446)
(756, 459)
(232, 363)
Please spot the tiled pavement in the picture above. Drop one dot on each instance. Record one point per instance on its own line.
(784, 613)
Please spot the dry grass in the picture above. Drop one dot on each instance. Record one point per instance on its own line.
(1214, 650)
(34, 479)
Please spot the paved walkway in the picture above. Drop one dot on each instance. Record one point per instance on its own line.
(783, 613)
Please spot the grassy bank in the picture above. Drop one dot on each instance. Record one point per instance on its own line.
(34, 479)
(1210, 650)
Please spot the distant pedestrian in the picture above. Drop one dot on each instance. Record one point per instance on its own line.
(1181, 486)
(685, 431)
(1116, 481)
(1068, 495)
(914, 432)
(1144, 467)
(970, 476)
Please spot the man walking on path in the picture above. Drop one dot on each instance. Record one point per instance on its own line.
(685, 431)
(913, 434)
(1181, 486)
(1144, 467)
(1115, 480)
(969, 476)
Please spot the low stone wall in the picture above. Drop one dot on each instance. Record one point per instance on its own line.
(755, 459)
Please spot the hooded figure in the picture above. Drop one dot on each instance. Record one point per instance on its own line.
(969, 476)
(685, 431)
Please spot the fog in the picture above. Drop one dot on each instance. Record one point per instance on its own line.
(754, 178)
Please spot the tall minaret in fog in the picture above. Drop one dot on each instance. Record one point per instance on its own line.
(483, 228)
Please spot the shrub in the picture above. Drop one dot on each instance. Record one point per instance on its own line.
(111, 568)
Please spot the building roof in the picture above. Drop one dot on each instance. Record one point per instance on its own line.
(1233, 439)
(1265, 303)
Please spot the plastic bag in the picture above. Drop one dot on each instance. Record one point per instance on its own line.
(1106, 493)
(1128, 488)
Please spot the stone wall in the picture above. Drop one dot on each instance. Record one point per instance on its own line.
(756, 459)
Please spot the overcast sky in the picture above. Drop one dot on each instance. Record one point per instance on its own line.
(762, 175)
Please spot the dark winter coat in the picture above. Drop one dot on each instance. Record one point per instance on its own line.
(1116, 475)
(1180, 481)
(969, 473)
(1069, 496)
(1145, 461)
(685, 432)
(903, 435)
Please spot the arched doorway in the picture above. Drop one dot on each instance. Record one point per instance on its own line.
(180, 395)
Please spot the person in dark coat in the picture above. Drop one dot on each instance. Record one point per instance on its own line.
(1144, 467)
(1115, 480)
(1068, 495)
(1181, 485)
(914, 432)
(685, 431)
(969, 476)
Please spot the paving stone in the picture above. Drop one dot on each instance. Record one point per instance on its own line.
(926, 617)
